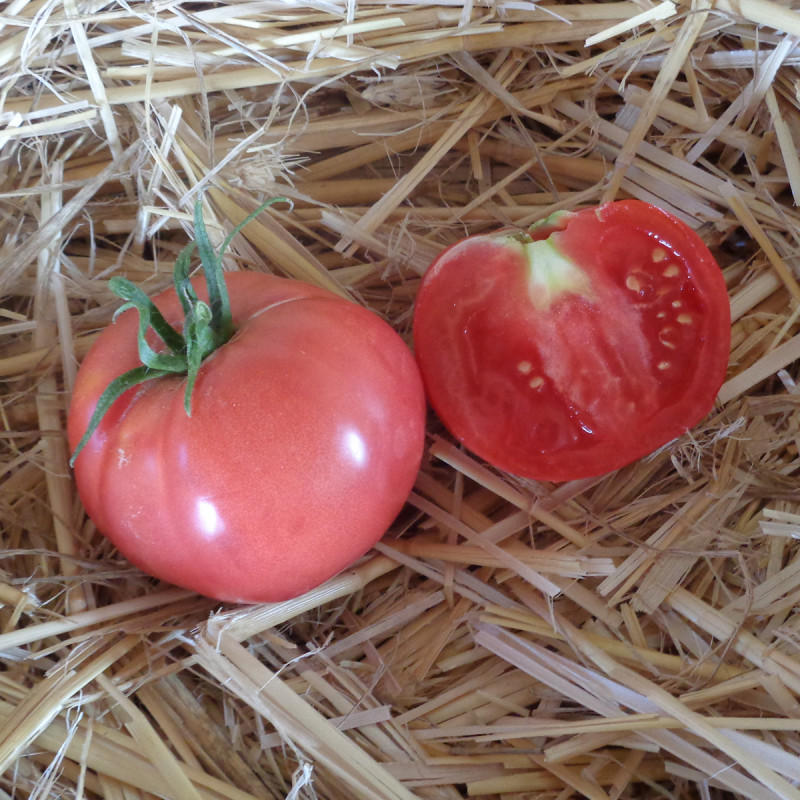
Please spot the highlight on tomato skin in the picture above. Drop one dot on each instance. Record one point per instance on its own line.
(576, 347)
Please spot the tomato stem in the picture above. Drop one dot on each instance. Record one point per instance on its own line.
(206, 326)
(557, 221)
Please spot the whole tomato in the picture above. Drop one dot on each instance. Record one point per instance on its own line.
(305, 437)
(576, 347)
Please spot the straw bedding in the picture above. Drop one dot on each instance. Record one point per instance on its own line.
(625, 637)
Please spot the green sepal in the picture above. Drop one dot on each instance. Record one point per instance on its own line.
(250, 217)
(180, 278)
(151, 317)
(112, 393)
(201, 342)
(221, 320)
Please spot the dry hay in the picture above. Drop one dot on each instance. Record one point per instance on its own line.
(630, 636)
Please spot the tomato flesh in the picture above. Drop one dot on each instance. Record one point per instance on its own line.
(576, 348)
(305, 438)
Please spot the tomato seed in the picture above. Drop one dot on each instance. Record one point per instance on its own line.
(665, 337)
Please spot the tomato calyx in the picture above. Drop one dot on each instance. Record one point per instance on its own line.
(206, 326)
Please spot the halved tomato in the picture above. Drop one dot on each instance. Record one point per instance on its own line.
(576, 347)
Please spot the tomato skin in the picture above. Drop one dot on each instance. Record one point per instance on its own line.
(574, 350)
(305, 438)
